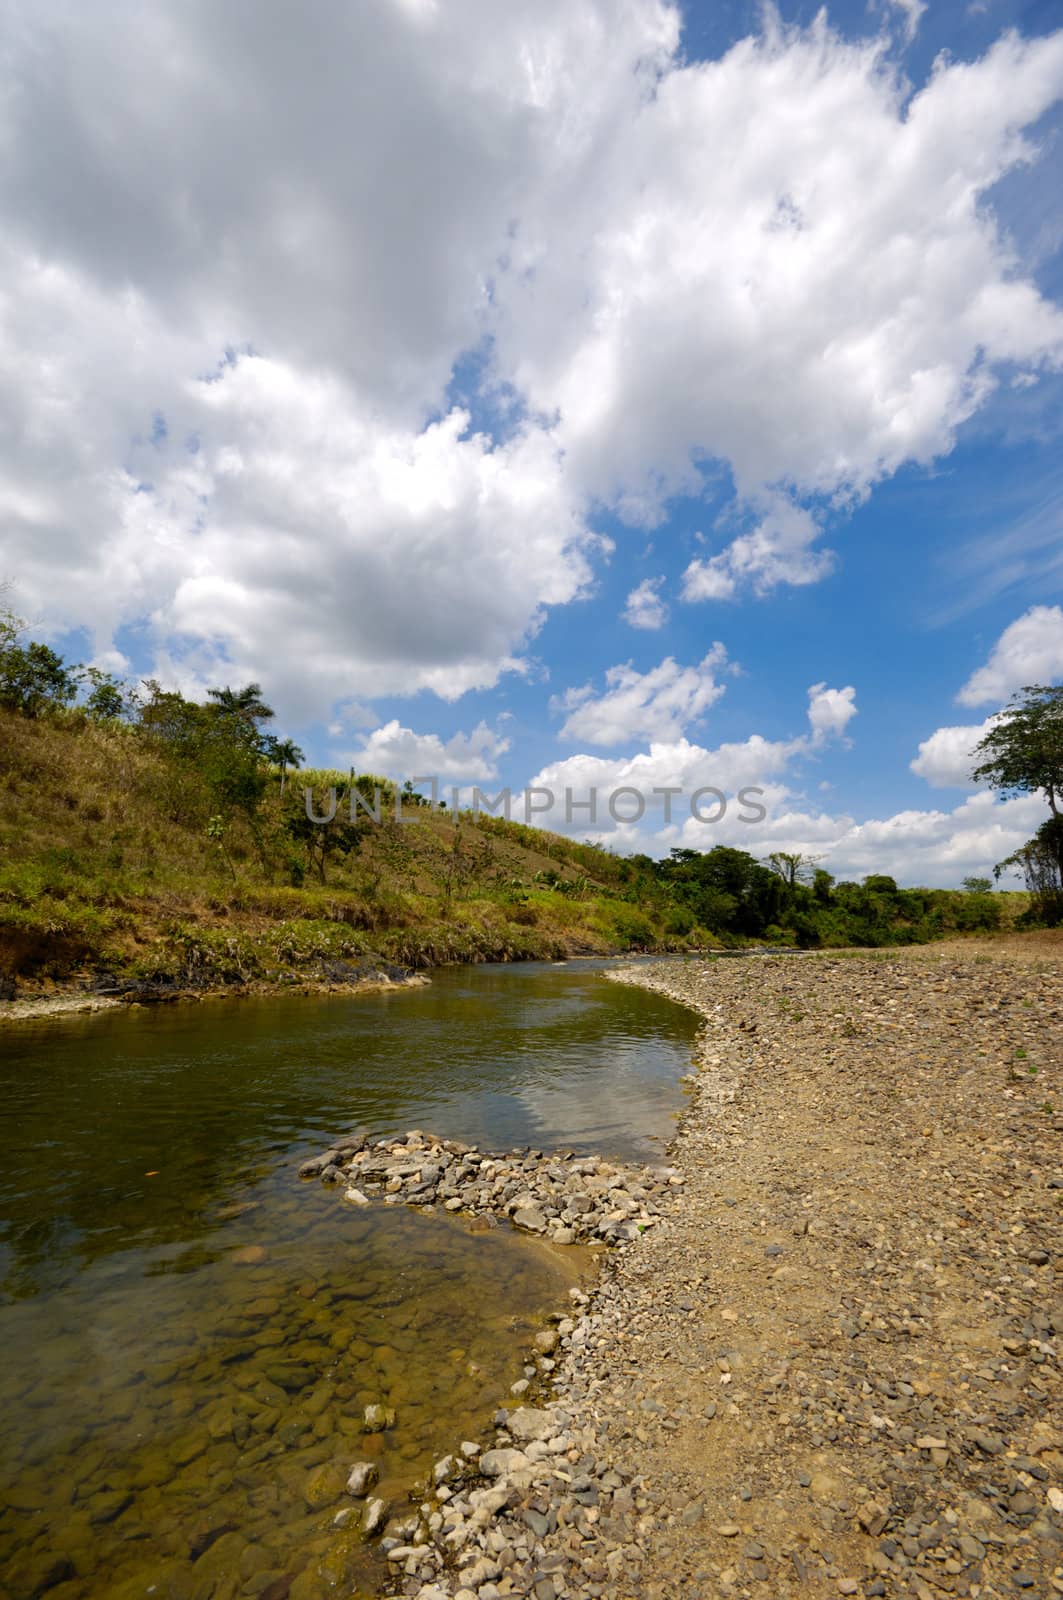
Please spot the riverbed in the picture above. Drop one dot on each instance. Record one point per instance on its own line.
(192, 1335)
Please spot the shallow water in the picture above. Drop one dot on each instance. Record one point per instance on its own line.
(191, 1335)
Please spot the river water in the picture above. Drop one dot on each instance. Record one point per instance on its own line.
(190, 1334)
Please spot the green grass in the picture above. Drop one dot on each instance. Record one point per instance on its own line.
(114, 857)
(106, 864)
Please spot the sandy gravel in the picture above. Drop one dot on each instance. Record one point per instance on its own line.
(53, 1005)
(836, 1368)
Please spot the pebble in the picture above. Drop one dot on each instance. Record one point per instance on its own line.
(570, 1199)
(889, 1403)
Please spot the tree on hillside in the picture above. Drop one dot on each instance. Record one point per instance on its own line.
(284, 753)
(724, 888)
(246, 702)
(1022, 753)
(216, 755)
(33, 679)
(106, 699)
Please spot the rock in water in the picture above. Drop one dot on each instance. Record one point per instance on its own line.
(376, 1512)
(361, 1479)
(377, 1418)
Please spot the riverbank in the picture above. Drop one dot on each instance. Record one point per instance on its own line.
(832, 1368)
(119, 854)
(86, 1000)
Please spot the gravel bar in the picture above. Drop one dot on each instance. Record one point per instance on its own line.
(822, 1356)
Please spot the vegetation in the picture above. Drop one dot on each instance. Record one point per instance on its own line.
(149, 837)
(1022, 753)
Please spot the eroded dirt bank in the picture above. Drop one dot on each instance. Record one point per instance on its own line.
(836, 1366)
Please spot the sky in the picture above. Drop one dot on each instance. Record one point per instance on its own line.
(558, 395)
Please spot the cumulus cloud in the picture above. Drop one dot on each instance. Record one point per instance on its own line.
(240, 260)
(830, 711)
(777, 550)
(674, 762)
(242, 257)
(278, 528)
(813, 306)
(645, 608)
(1029, 651)
(946, 758)
(933, 848)
(917, 847)
(658, 704)
(398, 752)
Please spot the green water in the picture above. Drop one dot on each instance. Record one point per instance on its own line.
(191, 1334)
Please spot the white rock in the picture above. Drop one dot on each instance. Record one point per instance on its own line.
(362, 1476)
(529, 1423)
(493, 1463)
(376, 1512)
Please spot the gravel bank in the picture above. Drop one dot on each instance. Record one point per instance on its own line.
(851, 1325)
(831, 1368)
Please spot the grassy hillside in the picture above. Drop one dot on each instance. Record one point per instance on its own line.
(120, 854)
(108, 861)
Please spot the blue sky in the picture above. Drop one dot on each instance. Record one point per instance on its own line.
(579, 393)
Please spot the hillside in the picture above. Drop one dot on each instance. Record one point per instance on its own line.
(101, 871)
(127, 851)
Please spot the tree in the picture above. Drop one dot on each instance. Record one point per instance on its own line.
(1022, 753)
(246, 702)
(322, 834)
(822, 884)
(726, 889)
(1023, 750)
(978, 885)
(216, 754)
(793, 868)
(1039, 862)
(105, 701)
(284, 753)
(32, 677)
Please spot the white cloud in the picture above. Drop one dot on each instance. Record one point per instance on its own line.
(398, 752)
(673, 761)
(778, 549)
(1029, 651)
(785, 264)
(645, 607)
(774, 263)
(931, 848)
(709, 580)
(311, 546)
(946, 758)
(336, 200)
(830, 711)
(912, 11)
(658, 704)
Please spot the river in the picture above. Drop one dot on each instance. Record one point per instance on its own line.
(191, 1334)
